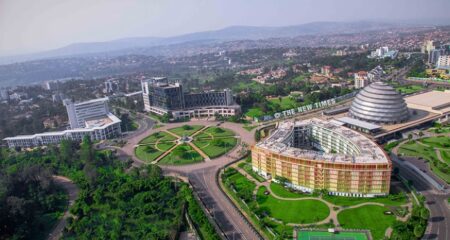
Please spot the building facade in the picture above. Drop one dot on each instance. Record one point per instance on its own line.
(91, 118)
(163, 97)
(80, 112)
(315, 155)
(361, 79)
(443, 62)
(97, 129)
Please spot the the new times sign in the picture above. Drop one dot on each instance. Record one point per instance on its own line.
(307, 108)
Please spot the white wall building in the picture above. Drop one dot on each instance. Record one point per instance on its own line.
(97, 129)
(91, 118)
(80, 112)
(443, 62)
(361, 79)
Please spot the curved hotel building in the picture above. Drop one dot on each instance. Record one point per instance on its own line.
(315, 154)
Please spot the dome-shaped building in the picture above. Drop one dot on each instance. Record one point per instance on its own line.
(379, 103)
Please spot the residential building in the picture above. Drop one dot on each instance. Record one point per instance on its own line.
(383, 52)
(326, 70)
(111, 86)
(433, 56)
(361, 79)
(443, 62)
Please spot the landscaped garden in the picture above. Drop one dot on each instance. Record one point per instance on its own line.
(370, 217)
(151, 152)
(391, 200)
(158, 136)
(436, 150)
(215, 141)
(278, 209)
(212, 142)
(186, 130)
(182, 154)
(247, 167)
(298, 211)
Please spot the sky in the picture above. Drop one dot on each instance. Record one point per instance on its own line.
(35, 25)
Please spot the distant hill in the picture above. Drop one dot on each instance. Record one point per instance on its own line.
(226, 34)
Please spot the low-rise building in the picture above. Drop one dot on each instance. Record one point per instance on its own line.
(99, 128)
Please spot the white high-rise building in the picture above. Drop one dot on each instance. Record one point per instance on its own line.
(443, 62)
(428, 46)
(80, 112)
(361, 79)
(433, 56)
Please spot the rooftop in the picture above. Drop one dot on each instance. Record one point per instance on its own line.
(435, 101)
(368, 151)
(359, 123)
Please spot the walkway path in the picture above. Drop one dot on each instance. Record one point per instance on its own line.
(72, 190)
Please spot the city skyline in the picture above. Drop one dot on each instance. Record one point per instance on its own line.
(28, 27)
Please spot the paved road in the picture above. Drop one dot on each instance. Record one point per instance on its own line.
(73, 191)
(439, 222)
(203, 178)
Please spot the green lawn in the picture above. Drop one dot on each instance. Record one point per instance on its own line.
(161, 136)
(281, 191)
(151, 152)
(391, 200)
(308, 235)
(367, 217)
(409, 89)
(286, 102)
(187, 130)
(389, 146)
(217, 147)
(182, 154)
(219, 132)
(416, 150)
(254, 112)
(441, 130)
(247, 167)
(437, 142)
(445, 156)
(295, 211)
(241, 183)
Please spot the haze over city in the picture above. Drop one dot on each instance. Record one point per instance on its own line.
(225, 120)
(32, 26)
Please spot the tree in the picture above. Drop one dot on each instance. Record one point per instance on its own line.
(66, 150)
(187, 127)
(418, 231)
(424, 213)
(86, 151)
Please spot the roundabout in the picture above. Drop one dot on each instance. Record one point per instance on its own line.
(186, 144)
(202, 176)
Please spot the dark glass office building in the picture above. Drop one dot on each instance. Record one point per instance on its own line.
(162, 97)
